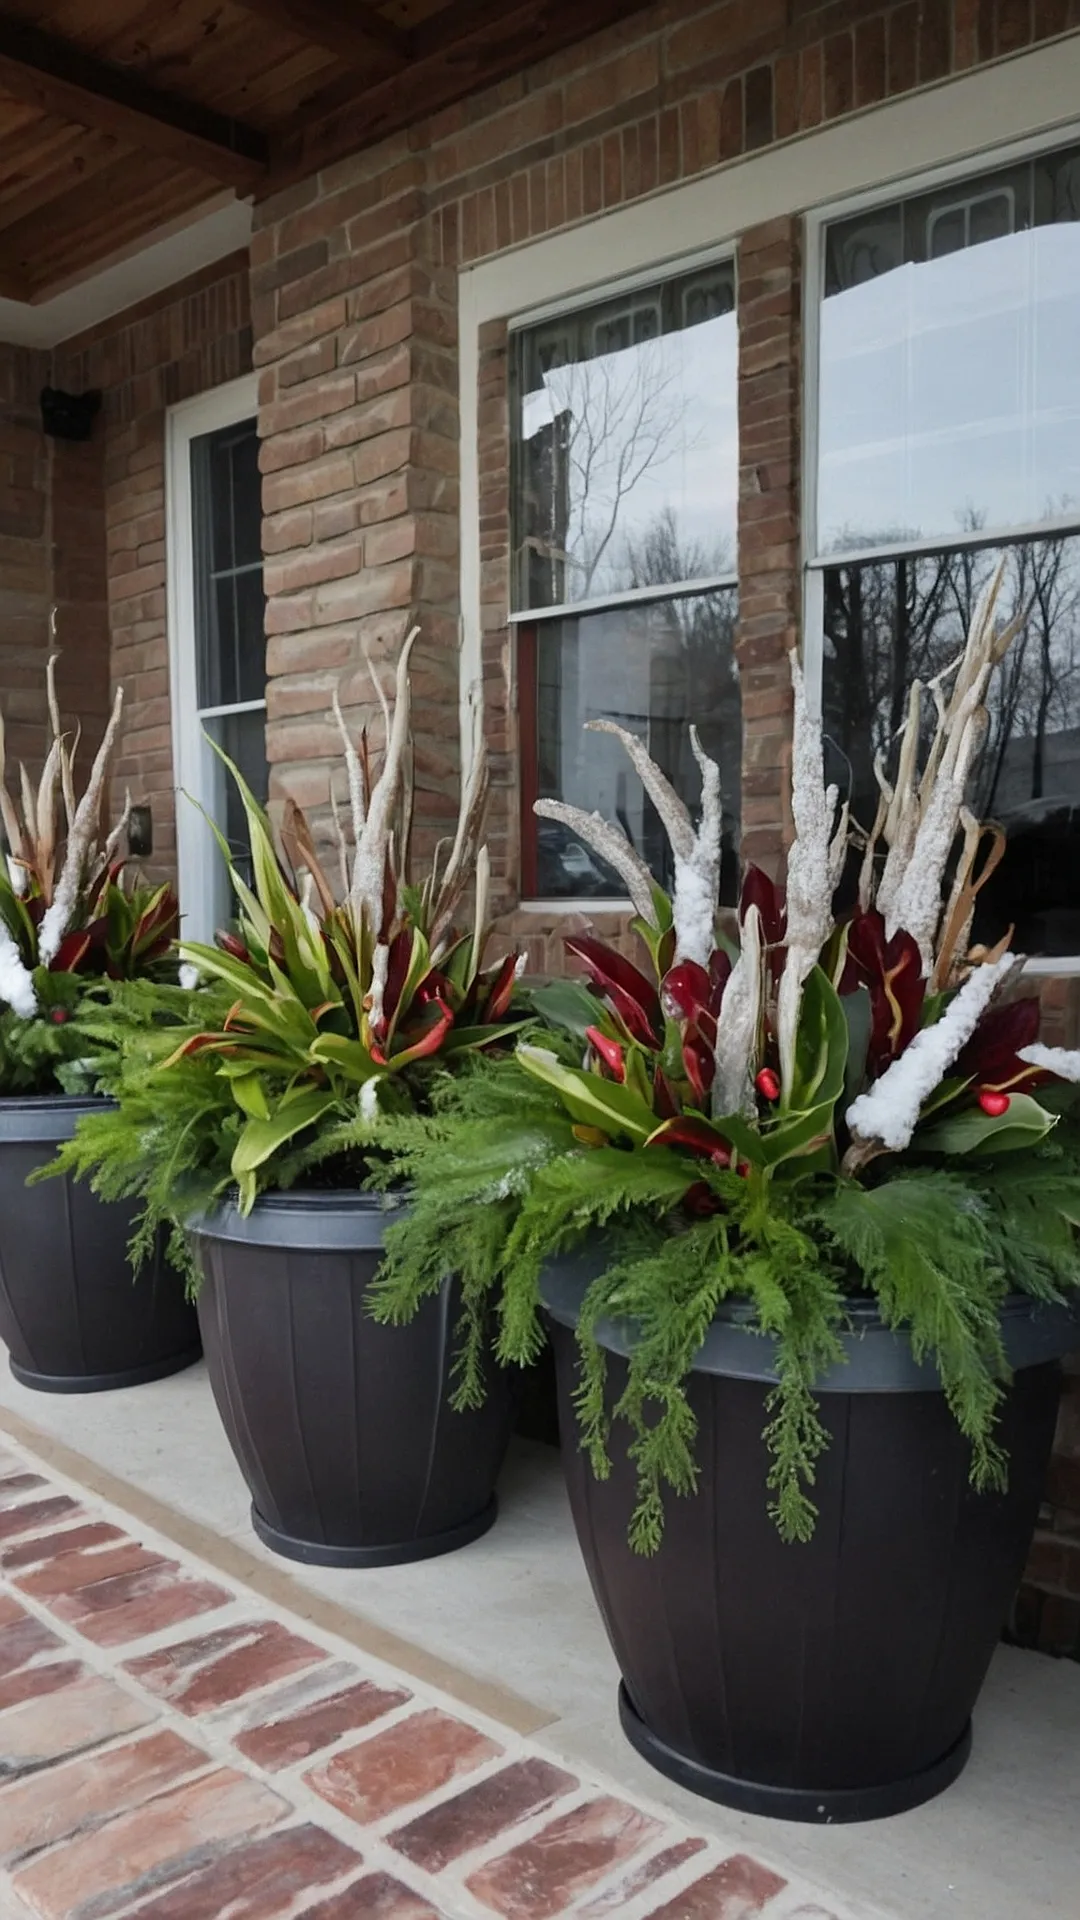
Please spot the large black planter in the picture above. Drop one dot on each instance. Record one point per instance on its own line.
(342, 1428)
(833, 1681)
(73, 1316)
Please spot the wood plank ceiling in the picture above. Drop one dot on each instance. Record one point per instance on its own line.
(119, 117)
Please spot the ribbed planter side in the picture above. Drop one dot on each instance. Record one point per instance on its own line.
(72, 1314)
(342, 1429)
(827, 1681)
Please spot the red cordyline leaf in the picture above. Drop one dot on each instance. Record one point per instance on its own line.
(632, 998)
(891, 971)
(421, 1046)
(696, 1135)
(764, 894)
(686, 991)
(71, 952)
(232, 944)
(609, 1051)
(397, 969)
(991, 1056)
(664, 1101)
(699, 1061)
(719, 975)
(497, 1004)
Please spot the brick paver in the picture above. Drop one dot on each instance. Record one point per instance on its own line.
(173, 1747)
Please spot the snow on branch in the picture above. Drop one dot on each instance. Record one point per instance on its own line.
(888, 1113)
(1062, 1061)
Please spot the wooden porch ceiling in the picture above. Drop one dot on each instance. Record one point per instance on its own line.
(118, 117)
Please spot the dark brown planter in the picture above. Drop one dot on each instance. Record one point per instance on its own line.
(73, 1316)
(833, 1681)
(342, 1428)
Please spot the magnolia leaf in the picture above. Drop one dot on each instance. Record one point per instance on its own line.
(571, 1007)
(463, 1039)
(262, 1138)
(348, 1056)
(821, 1045)
(1023, 1124)
(588, 1099)
(857, 1014)
(250, 1095)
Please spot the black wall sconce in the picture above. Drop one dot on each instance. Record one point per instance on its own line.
(140, 833)
(68, 416)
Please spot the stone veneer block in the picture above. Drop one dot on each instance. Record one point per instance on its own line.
(735, 1890)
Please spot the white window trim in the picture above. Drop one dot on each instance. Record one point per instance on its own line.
(196, 853)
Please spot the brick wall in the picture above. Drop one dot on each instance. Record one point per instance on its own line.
(24, 555)
(51, 559)
(194, 337)
(360, 453)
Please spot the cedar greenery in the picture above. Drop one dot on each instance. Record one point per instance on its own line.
(70, 917)
(315, 1025)
(836, 1106)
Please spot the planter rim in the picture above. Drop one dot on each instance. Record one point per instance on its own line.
(302, 1220)
(45, 1116)
(876, 1359)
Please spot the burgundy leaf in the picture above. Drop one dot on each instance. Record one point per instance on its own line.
(631, 996)
(696, 1135)
(609, 1051)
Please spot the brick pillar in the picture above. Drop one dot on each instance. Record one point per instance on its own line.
(79, 588)
(355, 334)
(769, 556)
(24, 556)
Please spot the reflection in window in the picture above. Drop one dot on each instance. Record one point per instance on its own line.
(890, 622)
(653, 668)
(949, 376)
(625, 421)
(230, 648)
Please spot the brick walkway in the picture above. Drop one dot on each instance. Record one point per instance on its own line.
(174, 1748)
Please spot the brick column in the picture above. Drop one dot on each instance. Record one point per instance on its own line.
(24, 556)
(769, 557)
(355, 333)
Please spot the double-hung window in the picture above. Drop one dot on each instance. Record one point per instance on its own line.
(625, 483)
(217, 644)
(948, 440)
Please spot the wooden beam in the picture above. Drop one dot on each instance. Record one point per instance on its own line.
(353, 31)
(471, 44)
(68, 84)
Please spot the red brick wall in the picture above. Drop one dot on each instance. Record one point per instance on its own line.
(24, 555)
(51, 558)
(198, 335)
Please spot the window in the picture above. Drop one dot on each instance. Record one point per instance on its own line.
(948, 438)
(216, 640)
(625, 488)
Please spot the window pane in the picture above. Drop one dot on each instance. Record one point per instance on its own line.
(227, 520)
(243, 737)
(949, 391)
(625, 467)
(888, 623)
(654, 668)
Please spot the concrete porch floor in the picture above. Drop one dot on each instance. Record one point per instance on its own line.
(508, 1627)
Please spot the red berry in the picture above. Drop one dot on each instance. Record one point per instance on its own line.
(995, 1104)
(768, 1084)
(59, 1016)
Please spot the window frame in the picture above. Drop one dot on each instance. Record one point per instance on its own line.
(814, 562)
(196, 853)
(525, 623)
